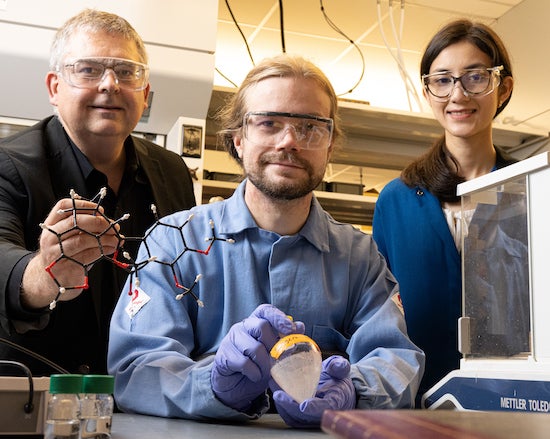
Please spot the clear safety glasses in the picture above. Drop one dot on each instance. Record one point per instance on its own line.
(90, 72)
(475, 82)
(269, 128)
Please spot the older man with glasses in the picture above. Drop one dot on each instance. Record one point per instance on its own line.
(98, 85)
(207, 356)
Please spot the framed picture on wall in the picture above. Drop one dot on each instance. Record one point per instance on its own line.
(192, 141)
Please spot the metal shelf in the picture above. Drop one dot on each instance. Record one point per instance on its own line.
(354, 209)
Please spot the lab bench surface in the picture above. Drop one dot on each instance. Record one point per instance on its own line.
(131, 426)
(354, 424)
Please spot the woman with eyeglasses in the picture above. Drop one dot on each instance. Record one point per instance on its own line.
(467, 79)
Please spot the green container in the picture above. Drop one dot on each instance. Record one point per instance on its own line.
(98, 384)
(66, 383)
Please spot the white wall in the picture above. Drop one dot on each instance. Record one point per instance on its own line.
(180, 37)
(526, 32)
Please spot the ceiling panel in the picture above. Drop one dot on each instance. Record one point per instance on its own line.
(488, 9)
(378, 30)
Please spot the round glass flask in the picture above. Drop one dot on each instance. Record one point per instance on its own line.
(297, 366)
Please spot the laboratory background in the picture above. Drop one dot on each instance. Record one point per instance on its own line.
(370, 49)
(199, 52)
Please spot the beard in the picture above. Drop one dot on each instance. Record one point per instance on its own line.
(291, 190)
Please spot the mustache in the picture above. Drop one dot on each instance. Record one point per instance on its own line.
(283, 156)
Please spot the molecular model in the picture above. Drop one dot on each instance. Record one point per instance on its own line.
(129, 265)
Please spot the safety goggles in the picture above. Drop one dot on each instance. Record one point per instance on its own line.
(269, 128)
(90, 72)
(474, 82)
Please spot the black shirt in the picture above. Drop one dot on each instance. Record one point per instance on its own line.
(105, 279)
(38, 166)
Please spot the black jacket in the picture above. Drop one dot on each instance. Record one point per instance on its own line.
(37, 168)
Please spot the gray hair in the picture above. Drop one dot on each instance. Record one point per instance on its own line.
(91, 20)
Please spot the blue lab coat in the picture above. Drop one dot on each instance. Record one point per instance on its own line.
(329, 276)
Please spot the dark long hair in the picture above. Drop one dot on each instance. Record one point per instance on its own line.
(432, 170)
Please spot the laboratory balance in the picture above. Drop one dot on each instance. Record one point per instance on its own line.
(504, 330)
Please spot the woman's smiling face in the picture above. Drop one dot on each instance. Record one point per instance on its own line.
(463, 115)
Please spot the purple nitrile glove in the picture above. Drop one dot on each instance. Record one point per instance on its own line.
(242, 364)
(334, 392)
